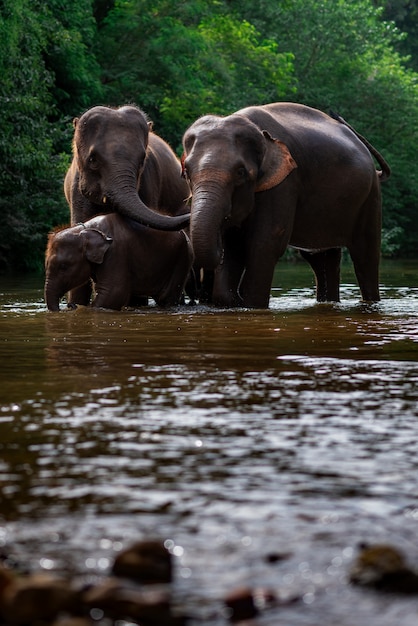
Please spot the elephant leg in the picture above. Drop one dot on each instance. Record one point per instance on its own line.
(326, 267)
(225, 286)
(256, 293)
(206, 286)
(80, 295)
(365, 248)
(255, 287)
(191, 288)
(109, 297)
(199, 286)
(227, 275)
(266, 242)
(366, 267)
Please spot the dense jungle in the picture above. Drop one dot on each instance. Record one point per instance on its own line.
(179, 60)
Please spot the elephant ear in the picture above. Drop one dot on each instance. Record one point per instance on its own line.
(276, 165)
(95, 244)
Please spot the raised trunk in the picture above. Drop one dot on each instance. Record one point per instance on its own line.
(209, 210)
(131, 205)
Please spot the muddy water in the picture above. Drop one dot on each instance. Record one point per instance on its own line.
(265, 445)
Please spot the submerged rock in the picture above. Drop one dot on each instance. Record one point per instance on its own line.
(241, 604)
(117, 601)
(147, 562)
(383, 567)
(34, 598)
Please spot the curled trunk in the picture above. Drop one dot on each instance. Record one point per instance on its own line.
(131, 205)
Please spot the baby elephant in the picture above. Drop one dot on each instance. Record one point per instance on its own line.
(125, 260)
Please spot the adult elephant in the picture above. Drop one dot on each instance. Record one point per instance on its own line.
(126, 261)
(119, 165)
(282, 174)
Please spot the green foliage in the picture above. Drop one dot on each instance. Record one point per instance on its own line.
(235, 68)
(404, 13)
(179, 59)
(68, 54)
(40, 57)
(28, 175)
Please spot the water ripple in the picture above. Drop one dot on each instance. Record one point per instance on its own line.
(233, 434)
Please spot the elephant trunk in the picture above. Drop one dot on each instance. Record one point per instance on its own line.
(130, 204)
(209, 209)
(52, 296)
(52, 300)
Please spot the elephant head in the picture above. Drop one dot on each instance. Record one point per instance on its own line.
(68, 258)
(227, 161)
(111, 148)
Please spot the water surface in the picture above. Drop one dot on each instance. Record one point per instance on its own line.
(237, 435)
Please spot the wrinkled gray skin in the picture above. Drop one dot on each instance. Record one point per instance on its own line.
(120, 166)
(276, 175)
(125, 260)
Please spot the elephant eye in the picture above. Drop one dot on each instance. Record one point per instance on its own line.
(92, 161)
(242, 174)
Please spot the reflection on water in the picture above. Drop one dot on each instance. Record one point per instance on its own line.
(237, 434)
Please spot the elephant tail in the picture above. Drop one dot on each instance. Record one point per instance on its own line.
(384, 173)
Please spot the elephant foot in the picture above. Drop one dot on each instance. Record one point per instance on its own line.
(228, 301)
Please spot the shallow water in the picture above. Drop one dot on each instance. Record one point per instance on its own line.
(237, 435)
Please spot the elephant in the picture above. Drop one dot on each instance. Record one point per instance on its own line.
(278, 175)
(120, 165)
(125, 259)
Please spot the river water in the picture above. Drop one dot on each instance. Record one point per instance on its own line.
(263, 445)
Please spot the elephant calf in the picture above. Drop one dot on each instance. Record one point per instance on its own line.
(124, 259)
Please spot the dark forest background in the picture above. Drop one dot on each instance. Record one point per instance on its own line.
(179, 59)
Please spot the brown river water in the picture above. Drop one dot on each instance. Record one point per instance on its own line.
(263, 446)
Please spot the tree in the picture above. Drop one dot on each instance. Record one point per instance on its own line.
(405, 15)
(46, 75)
(28, 167)
(69, 36)
(179, 61)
